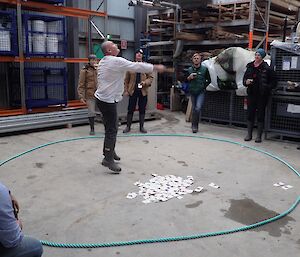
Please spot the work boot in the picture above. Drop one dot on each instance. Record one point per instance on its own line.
(129, 121)
(111, 165)
(195, 121)
(250, 129)
(260, 126)
(142, 120)
(108, 160)
(92, 125)
(116, 157)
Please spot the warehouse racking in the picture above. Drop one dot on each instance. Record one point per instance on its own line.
(22, 54)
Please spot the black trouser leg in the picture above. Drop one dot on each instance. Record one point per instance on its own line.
(260, 127)
(128, 124)
(261, 110)
(92, 125)
(142, 120)
(195, 121)
(131, 108)
(109, 113)
(142, 110)
(250, 125)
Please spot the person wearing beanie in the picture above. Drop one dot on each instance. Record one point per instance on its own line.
(259, 79)
(136, 87)
(87, 86)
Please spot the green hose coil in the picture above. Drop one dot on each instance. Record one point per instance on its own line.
(167, 239)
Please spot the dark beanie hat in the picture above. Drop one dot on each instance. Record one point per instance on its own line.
(139, 51)
(261, 52)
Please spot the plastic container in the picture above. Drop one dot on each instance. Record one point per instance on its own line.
(38, 26)
(39, 43)
(52, 44)
(5, 43)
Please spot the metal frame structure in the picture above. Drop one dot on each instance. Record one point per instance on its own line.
(265, 18)
(45, 8)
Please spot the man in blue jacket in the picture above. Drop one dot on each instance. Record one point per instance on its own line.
(12, 241)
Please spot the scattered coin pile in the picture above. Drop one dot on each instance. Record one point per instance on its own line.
(164, 188)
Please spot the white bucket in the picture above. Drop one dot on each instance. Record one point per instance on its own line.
(5, 44)
(39, 43)
(38, 26)
(54, 27)
(52, 44)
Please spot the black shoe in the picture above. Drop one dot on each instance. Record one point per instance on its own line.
(126, 130)
(92, 133)
(111, 165)
(116, 157)
(258, 140)
(142, 130)
(248, 138)
(194, 129)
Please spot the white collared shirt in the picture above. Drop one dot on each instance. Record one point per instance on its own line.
(111, 74)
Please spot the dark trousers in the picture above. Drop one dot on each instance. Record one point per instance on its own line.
(110, 121)
(142, 102)
(256, 103)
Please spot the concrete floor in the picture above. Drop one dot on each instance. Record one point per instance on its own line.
(66, 196)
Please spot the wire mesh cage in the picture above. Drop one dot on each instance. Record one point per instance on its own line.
(45, 86)
(8, 33)
(284, 116)
(239, 109)
(216, 106)
(44, 35)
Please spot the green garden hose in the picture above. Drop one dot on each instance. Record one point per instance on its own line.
(167, 239)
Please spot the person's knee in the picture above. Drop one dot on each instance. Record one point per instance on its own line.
(33, 246)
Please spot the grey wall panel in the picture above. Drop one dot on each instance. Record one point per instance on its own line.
(124, 28)
(99, 22)
(119, 8)
(128, 53)
(95, 4)
(82, 50)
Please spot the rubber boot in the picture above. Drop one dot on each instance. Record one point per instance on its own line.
(129, 121)
(109, 162)
(260, 126)
(250, 129)
(142, 120)
(92, 125)
(195, 122)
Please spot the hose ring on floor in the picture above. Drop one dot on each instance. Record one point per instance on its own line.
(166, 239)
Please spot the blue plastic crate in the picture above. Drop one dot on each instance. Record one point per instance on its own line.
(8, 33)
(44, 36)
(45, 87)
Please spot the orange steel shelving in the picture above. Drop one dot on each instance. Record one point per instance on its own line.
(52, 9)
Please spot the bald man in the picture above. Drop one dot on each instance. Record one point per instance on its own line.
(111, 74)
